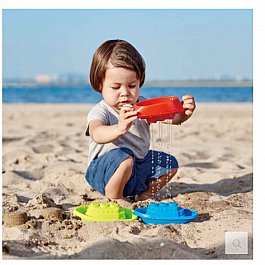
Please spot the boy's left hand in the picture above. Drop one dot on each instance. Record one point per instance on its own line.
(188, 103)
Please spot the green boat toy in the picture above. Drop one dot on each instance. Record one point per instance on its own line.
(104, 212)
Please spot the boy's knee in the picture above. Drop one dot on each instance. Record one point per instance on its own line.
(128, 162)
(174, 171)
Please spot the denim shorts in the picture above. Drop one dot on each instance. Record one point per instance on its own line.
(102, 168)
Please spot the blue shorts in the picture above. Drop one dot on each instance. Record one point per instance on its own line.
(102, 168)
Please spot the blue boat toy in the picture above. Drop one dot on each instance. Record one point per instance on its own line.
(165, 213)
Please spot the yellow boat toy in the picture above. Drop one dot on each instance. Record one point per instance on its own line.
(104, 212)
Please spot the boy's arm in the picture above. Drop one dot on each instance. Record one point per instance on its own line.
(103, 134)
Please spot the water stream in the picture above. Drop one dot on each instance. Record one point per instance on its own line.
(155, 182)
(153, 166)
(168, 161)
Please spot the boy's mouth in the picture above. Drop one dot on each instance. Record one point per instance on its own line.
(124, 102)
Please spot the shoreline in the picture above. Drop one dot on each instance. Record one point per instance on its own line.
(146, 84)
(93, 104)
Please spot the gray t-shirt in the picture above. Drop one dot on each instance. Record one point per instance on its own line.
(137, 138)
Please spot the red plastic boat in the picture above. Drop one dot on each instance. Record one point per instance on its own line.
(158, 109)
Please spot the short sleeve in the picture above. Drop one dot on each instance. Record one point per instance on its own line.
(96, 113)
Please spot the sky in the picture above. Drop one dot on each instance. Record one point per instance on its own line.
(176, 44)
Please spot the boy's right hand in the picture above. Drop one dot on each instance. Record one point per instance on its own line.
(126, 117)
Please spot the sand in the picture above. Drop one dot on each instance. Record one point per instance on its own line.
(44, 158)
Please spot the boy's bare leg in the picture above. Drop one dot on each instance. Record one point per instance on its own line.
(153, 185)
(115, 186)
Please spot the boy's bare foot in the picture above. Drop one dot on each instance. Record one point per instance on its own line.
(122, 203)
(143, 196)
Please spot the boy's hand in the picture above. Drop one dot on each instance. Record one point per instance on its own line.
(126, 117)
(188, 103)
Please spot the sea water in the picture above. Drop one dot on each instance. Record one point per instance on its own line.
(84, 94)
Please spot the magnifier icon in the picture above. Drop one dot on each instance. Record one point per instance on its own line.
(236, 243)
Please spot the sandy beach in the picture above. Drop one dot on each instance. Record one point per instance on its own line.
(44, 160)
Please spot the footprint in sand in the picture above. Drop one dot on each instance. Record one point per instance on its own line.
(33, 175)
(6, 140)
(42, 137)
(203, 165)
(195, 155)
(43, 149)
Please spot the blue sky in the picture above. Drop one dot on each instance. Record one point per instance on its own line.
(176, 44)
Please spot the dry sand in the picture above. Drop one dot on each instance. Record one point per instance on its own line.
(44, 163)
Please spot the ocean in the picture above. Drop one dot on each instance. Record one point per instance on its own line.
(83, 94)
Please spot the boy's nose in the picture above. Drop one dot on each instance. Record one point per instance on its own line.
(124, 91)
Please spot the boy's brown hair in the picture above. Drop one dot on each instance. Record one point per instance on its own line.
(119, 53)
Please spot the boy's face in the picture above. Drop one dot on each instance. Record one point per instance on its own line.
(120, 87)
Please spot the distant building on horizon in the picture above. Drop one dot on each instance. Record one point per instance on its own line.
(43, 79)
(69, 78)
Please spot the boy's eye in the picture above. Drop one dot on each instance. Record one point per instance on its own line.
(116, 87)
(132, 86)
